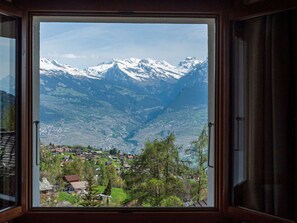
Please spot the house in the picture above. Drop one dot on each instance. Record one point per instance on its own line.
(67, 149)
(45, 186)
(78, 187)
(74, 184)
(57, 150)
(78, 151)
(71, 178)
(130, 157)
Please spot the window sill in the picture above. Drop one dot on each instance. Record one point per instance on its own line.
(131, 217)
(10, 213)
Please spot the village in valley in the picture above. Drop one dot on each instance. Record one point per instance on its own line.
(63, 181)
(79, 176)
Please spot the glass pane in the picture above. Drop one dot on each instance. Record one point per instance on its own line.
(8, 187)
(263, 114)
(124, 115)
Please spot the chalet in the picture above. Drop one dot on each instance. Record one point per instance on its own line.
(71, 178)
(58, 150)
(45, 186)
(78, 187)
(67, 149)
(130, 157)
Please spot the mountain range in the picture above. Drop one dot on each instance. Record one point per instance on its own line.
(123, 102)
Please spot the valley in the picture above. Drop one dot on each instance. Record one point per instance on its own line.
(122, 103)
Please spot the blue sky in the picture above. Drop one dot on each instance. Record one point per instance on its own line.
(87, 44)
(7, 64)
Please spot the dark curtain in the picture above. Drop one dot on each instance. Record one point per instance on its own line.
(269, 110)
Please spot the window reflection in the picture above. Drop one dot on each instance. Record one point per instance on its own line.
(7, 112)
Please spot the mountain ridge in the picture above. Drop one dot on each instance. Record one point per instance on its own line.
(112, 108)
(135, 68)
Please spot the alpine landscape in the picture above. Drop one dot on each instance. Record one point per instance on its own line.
(122, 103)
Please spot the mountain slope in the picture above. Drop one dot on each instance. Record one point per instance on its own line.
(121, 103)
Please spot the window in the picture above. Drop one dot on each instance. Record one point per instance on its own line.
(231, 123)
(8, 113)
(264, 108)
(135, 131)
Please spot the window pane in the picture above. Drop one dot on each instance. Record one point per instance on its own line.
(263, 114)
(8, 187)
(125, 123)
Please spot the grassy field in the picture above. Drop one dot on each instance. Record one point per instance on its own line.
(118, 196)
(71, 198)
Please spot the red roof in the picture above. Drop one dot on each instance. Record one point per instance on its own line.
(72, 178)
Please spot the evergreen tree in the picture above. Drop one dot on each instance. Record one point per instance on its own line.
(156, 174)
(199, 189)
(107, 191)
(90, 198)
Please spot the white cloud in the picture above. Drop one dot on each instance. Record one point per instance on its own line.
(95, 43)
(72, 56)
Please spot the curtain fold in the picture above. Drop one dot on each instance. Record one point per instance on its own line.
(269, 73)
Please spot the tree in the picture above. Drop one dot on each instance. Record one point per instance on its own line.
(155, 174)
(172, 201)
(199, 187)
(50, 166)
(102, 174)
(8, 118)
(113, 151)
(109, 173)
(75, 167)
(107, 192)
(90, 198)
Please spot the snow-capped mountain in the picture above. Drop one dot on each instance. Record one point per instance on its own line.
(144, 70)
(52, 67)
(123, 102)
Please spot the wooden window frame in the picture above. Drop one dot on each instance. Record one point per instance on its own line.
(19, 209)
(226, 11)
(131, 214)
(240, 13)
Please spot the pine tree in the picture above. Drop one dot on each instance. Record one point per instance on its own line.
(155, 174)
(199, 191)
(90, 198)
(107, 191)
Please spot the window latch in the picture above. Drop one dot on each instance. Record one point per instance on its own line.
(36, 123)
(210, 124)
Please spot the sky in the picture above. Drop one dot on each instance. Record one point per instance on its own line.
(87, 44)
(7, 64)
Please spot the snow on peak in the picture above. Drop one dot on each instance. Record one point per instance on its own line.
(189, 63)
(52, 67)
(138, 69)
